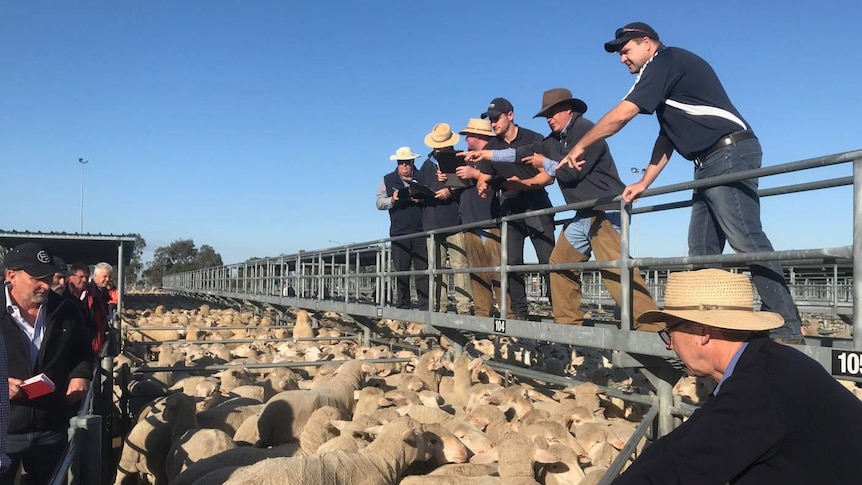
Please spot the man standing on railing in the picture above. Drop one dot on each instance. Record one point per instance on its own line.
(697, 119)
(442, 211)
(516, 197)
(593, 229)
(482, 244)
(405, 217)
(44, 333)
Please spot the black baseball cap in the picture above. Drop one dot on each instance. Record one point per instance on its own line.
(634, 30)
(496, 107)
(32, 259)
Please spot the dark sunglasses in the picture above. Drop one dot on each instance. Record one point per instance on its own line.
(494, 118)
(405, 162)
(622, 31)
(665, 336)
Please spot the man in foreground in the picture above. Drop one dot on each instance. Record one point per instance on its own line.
(44, 333)
(775, 417)
(697, 119)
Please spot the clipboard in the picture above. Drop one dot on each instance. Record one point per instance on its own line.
(448, 162)
(417, 189)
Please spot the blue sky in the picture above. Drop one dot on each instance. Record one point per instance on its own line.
(264, 127)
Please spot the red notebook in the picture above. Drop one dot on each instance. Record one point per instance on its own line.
(37, 386)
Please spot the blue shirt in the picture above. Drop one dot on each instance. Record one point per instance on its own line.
(732, 365)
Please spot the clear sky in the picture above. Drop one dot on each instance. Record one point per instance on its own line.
(264, 127)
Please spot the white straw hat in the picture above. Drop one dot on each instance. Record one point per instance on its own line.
(404, 153)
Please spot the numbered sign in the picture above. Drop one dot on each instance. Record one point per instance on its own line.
(379, 312)
(500, 325)
(846, 363)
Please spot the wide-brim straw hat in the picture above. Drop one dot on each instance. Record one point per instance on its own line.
(475, 126)
(713, 297)
(441, 136)
(404, 153)
(557, 96)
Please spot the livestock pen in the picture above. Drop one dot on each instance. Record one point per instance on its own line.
(357, 280)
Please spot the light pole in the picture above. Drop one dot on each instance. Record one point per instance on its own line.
(637, 221)
(83, 163)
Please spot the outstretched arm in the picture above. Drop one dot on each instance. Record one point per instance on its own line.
(612, 122)
(661, 153)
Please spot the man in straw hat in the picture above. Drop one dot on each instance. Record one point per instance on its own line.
(441, 212)
(482, 244)
(517, 198)
(592, 230)
(405, 217)
(775, 417)
(697, 120)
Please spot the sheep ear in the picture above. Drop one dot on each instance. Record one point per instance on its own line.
(545, 456)
(368, 368)
(485, 457)
(374, 430)
(409, 437)
(473, 363)
(403, 410)
(383, 402)
(356, 395)
(339, 424)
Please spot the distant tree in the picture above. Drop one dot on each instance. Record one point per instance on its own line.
(134, 269)
(207, 257)
(177, 257)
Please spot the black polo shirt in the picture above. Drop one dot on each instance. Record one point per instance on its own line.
(692, 107)
(517, 201)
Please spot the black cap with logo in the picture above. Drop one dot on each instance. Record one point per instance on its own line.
(496, 107)
(634, 30)
(32, 259)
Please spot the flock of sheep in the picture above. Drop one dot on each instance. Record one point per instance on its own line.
(302, 404)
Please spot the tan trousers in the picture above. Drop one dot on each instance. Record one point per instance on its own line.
(484, 254)
(453, 246)
(566, 285)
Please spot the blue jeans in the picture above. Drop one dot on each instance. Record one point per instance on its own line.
(731, 214)
(578, 230)
(38, 451)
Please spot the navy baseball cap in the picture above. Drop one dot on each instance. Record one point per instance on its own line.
(496, 107)
(634, 30)
(32, 259)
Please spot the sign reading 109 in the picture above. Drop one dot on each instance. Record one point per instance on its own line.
(846, 363)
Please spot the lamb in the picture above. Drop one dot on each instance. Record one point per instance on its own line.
(230, 459)
(399, 444)
(229, 415)
(284, 416)
(146, 446)
(193, 446)
(302, 327)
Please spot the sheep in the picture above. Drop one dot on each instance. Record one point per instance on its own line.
(230, 459)
(229, 415)
(302, 327)
(320, 428)
(145, 448)
(399, 444)
(284, 416)
(193, 446)
(566, 471)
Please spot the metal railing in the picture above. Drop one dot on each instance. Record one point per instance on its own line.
(356, 279)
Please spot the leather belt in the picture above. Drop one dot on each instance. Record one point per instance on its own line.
(730, 139)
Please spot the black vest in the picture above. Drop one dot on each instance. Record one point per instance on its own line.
(405, 215)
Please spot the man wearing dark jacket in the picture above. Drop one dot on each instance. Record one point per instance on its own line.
(591, 230)
(44, 333)
(517, 198)
(776, 416)
(405, 216)
(442, 211)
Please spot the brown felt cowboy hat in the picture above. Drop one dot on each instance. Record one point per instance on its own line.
(713, 297)
(553, 98)
(441, 136)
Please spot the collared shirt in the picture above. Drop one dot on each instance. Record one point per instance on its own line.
(732, 365)
(33, 333)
